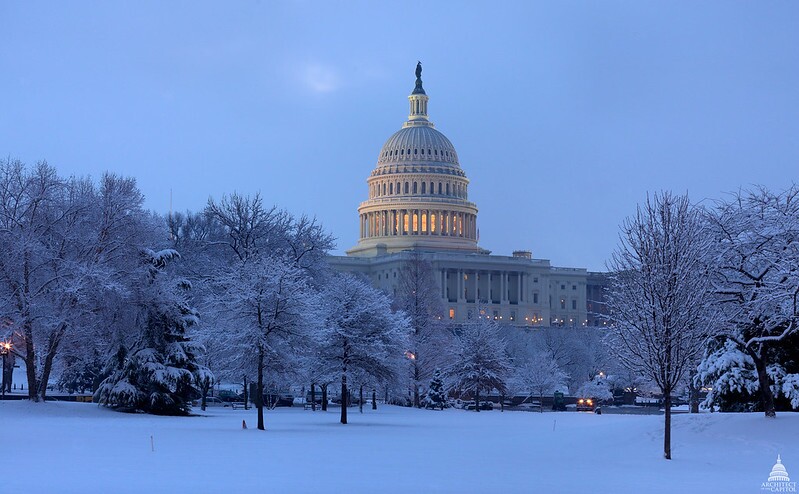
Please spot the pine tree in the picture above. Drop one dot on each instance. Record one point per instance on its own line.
(157, 372)
(436, 396)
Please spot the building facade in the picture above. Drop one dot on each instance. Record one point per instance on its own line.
(418, 201)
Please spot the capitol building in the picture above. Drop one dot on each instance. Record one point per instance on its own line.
(418, 201)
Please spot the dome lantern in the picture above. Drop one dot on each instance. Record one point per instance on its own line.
(418, 100)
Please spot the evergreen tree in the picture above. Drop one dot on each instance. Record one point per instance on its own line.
(157, 372)
(436, 396)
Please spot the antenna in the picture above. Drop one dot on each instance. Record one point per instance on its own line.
(171, 237)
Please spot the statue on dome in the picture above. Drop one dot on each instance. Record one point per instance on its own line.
(418, 89)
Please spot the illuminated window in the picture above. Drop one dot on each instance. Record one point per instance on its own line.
(415, 222)
(405, 223)
(424, 220)
(451, 313)
(433, 223)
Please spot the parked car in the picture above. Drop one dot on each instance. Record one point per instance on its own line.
(210, 401)
(484, 405)
(228, 395)
(585, 405)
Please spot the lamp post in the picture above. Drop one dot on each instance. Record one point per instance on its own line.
(5, 347)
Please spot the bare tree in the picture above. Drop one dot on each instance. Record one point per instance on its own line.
(418, 296)
(540, 375)
(658, 294)
(480, 362)
(362, 337)
(64, 244)
(756, 276)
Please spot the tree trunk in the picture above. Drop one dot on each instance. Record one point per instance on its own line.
(259, 398)
(313, 397)
(416, 401)
(766, 395)
(501, 402)
(374, 400)
(30, 362)
(477, 400)
(246, 394)
(324, 397)
(667, 430)
(206, 384)
(541, 403)
(344, 395)
(52, 348)
(693, 393)
(360, 399)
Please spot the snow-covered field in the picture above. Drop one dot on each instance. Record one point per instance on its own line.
(73, 447)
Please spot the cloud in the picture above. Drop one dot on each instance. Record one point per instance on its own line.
(320, 78)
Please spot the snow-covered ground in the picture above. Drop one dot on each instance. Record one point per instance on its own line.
(74, 447)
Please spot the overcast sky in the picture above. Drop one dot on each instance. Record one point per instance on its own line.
(564, 114)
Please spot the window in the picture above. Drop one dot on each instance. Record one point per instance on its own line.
(406, 187)
(574, 305)
(391, 188)
(535, 279)
(424, 188)
(402, 152)
(562, 303)
(439, 188)
(451, 313)
(415, 151)
(562, 287)
(414, 188)
(535, 298)
(574, 287)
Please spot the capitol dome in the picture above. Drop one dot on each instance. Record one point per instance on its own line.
(778, 472)
(418, 193)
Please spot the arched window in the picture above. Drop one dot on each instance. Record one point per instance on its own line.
(432, 187)
(415, 151)
(414, 188)
(439, 188)
(402, 151)
(424, 191)
(422, 151)
(406, 187)
(384, 189)
(391, 188)
(447, 188)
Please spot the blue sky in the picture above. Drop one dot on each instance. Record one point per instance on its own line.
(564, 114)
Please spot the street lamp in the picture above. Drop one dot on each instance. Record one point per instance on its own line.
(5, 347)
